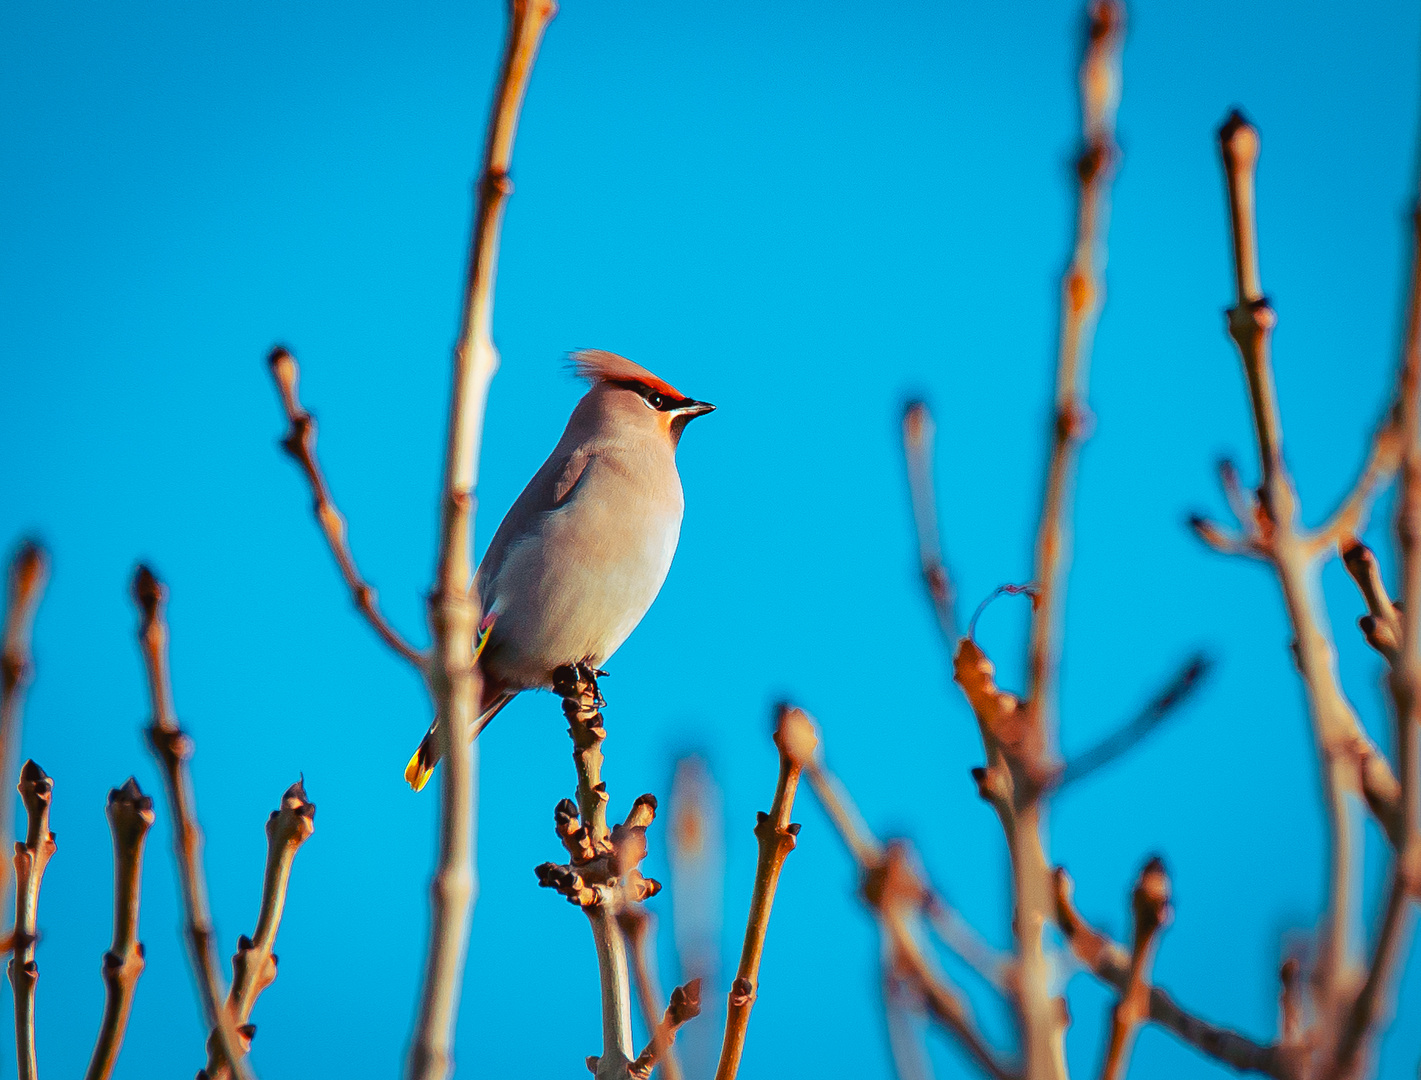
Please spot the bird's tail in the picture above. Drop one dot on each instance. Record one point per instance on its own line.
(421, 766)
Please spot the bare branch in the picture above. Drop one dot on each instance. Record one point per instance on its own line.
(1119, 741)
(918, 433)
(454, 682)
(29, 570)
(638, 930)
(254, 965)
(685, 1005)
(901, 1004)
(299, 443)
(1381, 626)
(1350, 517)
(173, 748)
(1110, 963)
(795, 739)
(130, 814)
(31, 857)
(1150, 906)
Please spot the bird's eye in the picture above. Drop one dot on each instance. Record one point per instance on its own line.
(655, 400)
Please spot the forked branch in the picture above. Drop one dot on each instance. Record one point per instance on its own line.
(130, 814)
(173, 749)
(299, 442)
(795, 739)
(1150, 907)
(31, 857)
(254, 965)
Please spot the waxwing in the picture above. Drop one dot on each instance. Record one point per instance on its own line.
(584, 550)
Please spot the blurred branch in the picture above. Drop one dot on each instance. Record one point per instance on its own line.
(29, 570)
(1082, 291)
(454, 681)
(1403, 623)
(31, 857)
(685, 1005)
(130, 814)
(795, 739)
(1347, 756)
(918, 435)
(300, 444)
(638, 930)
(1150, 908)
(1111, 964)
(1118, 742)
(254, 965)
(173, 748)
(901, 1003)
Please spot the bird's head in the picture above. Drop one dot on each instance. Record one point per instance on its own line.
(635, 396)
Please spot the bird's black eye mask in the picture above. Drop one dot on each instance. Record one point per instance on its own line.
(654, 398)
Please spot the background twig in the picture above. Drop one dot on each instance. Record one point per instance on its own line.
(130, 814)
(31, 858)
(1150, 908)
(172, 748)
(918, 436)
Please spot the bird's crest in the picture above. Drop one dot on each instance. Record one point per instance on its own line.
(595, 365)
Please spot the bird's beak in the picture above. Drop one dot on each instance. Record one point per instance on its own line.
(692, 409)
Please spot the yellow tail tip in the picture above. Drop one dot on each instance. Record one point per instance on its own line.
(417, 773)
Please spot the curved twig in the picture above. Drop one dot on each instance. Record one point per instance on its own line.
(130, 814)
(254, 965)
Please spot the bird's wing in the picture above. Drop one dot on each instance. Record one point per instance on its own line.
(550, 488)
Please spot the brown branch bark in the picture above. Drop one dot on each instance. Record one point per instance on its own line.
(254, 965)
(775, 833)
(1403, 625)
(28, 572)
(130, 814)
(1082, 293)
(1351, 768)
(31, 857)
(901, 1005)
(1110, 963)
(1150, 907)
(685, 1005)
(299, 442)
(638, 930)
(173, 748)
(454, 681)
(918, 437)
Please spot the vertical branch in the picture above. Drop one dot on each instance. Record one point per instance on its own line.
(453, 612)
(795, 739)
(173, 748)
(29, 569)
(130, 814)
(918, 436)
(696, 846)
(31, 858)
(254, 965)
(1150, 906)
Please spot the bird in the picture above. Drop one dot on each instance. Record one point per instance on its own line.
(584, 550)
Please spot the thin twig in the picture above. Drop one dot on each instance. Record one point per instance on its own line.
(638, 928)
(902, 1005)
(254, 965)
(795, 739)
(31, 857)
(28, 572)
(130, 814)
(1150, 907)
(454, 681)
(299, 442)
(1110, 963)
(1119, 741)
(1082, 294)
(685, 1005)
(173, 748)
(1346, 754)
(918, 433)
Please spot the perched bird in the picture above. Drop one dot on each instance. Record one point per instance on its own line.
(584, 550)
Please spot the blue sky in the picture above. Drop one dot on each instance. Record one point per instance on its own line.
(801, 212)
